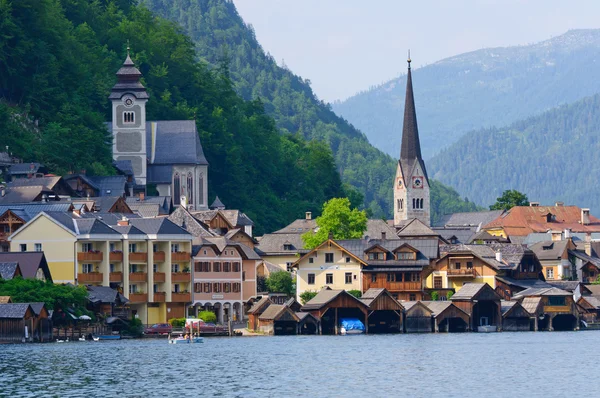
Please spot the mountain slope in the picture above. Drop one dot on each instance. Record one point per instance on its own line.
(480, 89)
(550, 157)
(220, 34)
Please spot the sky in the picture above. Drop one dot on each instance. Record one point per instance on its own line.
(347, 46)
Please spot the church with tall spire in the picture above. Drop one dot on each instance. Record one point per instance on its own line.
(411, 185)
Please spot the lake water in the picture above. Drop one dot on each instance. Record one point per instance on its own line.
(446, 365)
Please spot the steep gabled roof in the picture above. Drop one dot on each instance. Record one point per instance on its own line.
(29, 263)
(14, 310)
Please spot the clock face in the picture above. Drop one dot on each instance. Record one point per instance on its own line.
(417, 182)
(399, 183)
(128, 102)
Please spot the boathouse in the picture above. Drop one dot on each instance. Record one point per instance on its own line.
(330, 306)
(385, 312)
(559, 311)
(307, 323)
(447, 317)
(589, 309)
(278, 320)
(482, 304)
(16, 322)
(515, 318)
(417, 317)
(256, 311)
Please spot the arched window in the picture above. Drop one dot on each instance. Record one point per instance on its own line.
(201, 189)
(128, 117)
(421, 204)
(176, 189)
(190, 187)
(414, 203)
(400, 203)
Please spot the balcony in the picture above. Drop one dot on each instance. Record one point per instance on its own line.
(116, 277)
(159, 257)
(116, 256)
(159, 277)
(181, 297)
(180, 256)
(138, 277)
(159, 297)
(557, 308)
(141, 257)
(463, 272)
(392, 286)
(180, 277)
(138, 297)
(89, 256)
(90, 277)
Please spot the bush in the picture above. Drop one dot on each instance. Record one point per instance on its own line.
(355, 293)
(435, 296)
(449, 295)
(207, 316)
(306, 296)
(177, 322)
(135, 328)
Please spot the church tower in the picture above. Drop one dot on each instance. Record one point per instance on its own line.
(411, 185)
(129, 97)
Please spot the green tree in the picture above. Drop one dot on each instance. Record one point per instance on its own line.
(207, 316)
(281, 282)
(355, 293)
(435, 296)
(307, 295)
(449, 294)
(339, 220)
(54, 296)
(509, 199)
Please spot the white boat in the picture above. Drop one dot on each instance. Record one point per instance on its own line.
(193, 340)
(487, 329)
(82, 338)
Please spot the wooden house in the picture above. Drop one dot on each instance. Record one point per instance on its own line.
(16, 322)
(589, 309)
(278, 320)
(482, 303)
(385, 312)
(5, 300)
(307, 323)
(417, 317)
(556, 308)
(329, 306)
(256, 311)
(515, 317)
(447, 317)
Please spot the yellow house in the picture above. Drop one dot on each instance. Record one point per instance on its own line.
(147, 260)
(329, 265)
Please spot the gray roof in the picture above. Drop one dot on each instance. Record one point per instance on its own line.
(237, 218)
(182, 217)
(512, 254)
(63, 218)
(176, 142)
(324, 297)
(415, 227)
(531, 304)
(104, 203)
(161, 225)
(549, 250)
(462, 235)
(468, 291)
(272, 311)
(14, 310)
(124, 166)
(164, 202)
(298, 226)
(110, 185)
(273, 244)
(37, 307)
(104, 294)
(7, 270)
(594, 301)
(217, 204)
(23, 194)
(109, 218)
(588, 259)
(257, 305)
(29, 263)
(438, 307)
(569, 286)
(544, 291)
(25, 168)
(506, 306)
(472, 219)
(159, 174)
(487, 237)
(26, 211)
(221, 243)
(427, 250)
(145, 209)
(523, 283)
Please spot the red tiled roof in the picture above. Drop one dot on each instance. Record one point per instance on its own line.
(523, 220)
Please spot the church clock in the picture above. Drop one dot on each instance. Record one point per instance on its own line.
(417, 182)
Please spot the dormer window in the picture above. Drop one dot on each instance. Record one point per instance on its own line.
(376, 256)
(406, 256)
(128, 117)
(287, 246)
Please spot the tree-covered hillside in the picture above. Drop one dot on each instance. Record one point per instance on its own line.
(551, 157)
(220, 33)
(58, 60)
(480, 89)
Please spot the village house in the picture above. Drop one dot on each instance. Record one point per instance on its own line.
(554, 257)
(482, 304)
(330, 306)
(37, 189)
(555, 309)
(147, 260)
(28, 265)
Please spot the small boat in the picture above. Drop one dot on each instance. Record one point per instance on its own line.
(82, 338)
(95, 338)
(107, 337)
(62, 341)
(487, 329)
(183, 340)
(351, 326)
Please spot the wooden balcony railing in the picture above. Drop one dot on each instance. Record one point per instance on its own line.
(138, 297)
(140, 257)
(138, 277)
(180, 277)
(181, 297)
(463, 272)
(116, 256)
(159, 257)
(90, 277)
(116, 277)
(89, 256)
(557, 308)
(180, 256)
(160, 297)
(159, 277)
(393, 286)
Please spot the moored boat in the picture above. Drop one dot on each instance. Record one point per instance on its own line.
(182, 340)
(107, 337)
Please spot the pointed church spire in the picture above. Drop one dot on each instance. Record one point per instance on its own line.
(128, 80)
(411, 147)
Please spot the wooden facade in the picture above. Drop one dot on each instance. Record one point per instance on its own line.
(278, 320)
(482, 304)
(447, 317)
(515, 318)
(9, 223)
(342, 304)
(417, 318)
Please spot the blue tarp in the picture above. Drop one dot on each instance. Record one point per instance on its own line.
(352, 324)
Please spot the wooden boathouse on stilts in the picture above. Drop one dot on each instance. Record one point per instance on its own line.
(447, 317)
(385, 312)
(330, 306)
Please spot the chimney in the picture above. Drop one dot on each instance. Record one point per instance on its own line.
(567, 233)
(309, 215)
(382, 235)
(559, 204)
(183, 202)
(123, 222)
(534, 204)
(499, 256)
(2, 190)
(587, 245)
(142, 196)
(585, 216)
(556, 236)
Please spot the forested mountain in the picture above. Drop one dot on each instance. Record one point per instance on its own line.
(220, 34)
(480, 89)
(58, 60)
(551, 157)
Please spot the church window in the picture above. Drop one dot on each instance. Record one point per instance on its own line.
(177, 189)
(190, 187)
(414, 203)
(421, 204)
(201, 189)
(400, 204)
(128, 117)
